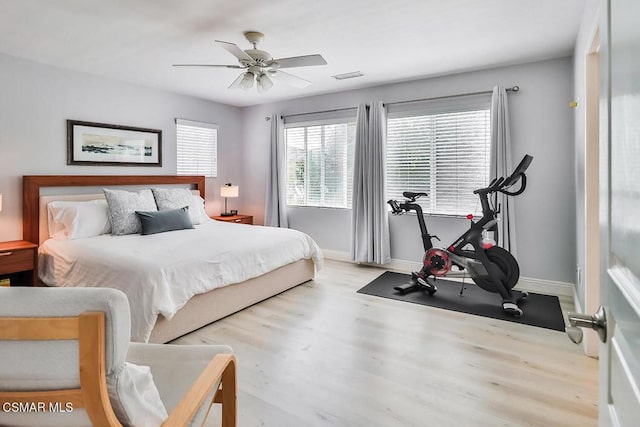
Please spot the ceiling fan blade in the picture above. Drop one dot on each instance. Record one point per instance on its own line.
(290, 79)
(234, 50)
(208, 65)
(300, 61)
(236, 82)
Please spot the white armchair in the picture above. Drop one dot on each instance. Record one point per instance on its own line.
(66, 360)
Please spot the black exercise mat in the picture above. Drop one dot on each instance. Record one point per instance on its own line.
(539, 310)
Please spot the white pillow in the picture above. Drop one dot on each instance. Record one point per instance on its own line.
(135, 398)
(176, 198)
(197, 206)
(78, 220)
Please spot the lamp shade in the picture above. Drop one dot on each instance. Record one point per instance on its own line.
(229, 190)
(247, 81)
(264, 83)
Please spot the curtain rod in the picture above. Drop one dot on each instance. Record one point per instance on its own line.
(315, 112)
(509, 89)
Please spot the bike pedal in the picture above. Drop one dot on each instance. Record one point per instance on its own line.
(431, 288)
(512, 309)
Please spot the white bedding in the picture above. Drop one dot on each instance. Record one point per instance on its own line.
(161, 272)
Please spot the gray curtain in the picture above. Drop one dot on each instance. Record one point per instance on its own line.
(275, 214)
(370, 220)
(501, 164)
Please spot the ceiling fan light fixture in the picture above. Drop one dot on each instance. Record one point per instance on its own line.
(247, 81)
(259, 65)
(236, 82)
(264, 82)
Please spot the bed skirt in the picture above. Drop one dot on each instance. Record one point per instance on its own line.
(205, 308)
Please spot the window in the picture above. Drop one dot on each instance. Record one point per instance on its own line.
(320, 164)
(197, 148)
(442, 149)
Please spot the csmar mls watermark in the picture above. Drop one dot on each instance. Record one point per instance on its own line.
(31, 407)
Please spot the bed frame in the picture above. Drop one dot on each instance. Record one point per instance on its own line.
(199, 310)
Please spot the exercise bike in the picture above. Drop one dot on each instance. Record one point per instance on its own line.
(491, 267)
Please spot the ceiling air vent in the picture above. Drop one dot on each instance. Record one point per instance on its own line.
(350, 75)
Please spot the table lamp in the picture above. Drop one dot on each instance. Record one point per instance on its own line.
(227, 191)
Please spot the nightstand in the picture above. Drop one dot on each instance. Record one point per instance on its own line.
(19, 262)
(238, 219)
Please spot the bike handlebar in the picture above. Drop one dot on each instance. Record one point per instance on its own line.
(502, 184)
(395, 208)
(497, 185)
(523, 185)
(519, 170)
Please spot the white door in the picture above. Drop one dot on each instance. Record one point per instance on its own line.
(620, 214)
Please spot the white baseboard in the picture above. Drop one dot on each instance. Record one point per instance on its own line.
(541, 286)
(395, 264)
(336, 255)
(547, 287)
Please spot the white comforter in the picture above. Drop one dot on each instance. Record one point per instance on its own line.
(161, 272)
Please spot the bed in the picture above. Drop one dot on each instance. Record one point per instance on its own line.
(177, 281)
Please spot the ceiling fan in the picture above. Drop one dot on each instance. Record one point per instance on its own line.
(260, 65)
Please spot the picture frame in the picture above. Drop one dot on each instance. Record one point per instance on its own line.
(103, 144)
(234, 212)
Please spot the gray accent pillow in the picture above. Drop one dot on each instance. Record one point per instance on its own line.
(174, 198)
(123, 206)
(160, 221)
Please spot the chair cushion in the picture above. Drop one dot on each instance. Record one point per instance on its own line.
(47, 365)
(175, 368)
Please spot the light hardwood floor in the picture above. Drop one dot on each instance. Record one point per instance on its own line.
(323, 355)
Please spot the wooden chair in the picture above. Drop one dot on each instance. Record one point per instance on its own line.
(94, 395)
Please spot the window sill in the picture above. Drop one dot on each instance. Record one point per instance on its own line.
(430, 215)
(436, 215)
(316, 207)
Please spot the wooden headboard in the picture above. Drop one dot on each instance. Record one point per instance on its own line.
(31, 185)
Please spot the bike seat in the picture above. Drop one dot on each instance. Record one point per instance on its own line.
(412, 195)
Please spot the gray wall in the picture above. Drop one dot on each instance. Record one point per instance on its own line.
(541, 125)
(36, 100)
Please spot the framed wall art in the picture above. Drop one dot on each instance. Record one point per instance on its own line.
(97, 144)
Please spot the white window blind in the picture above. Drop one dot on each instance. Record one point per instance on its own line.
(197, 148)
(442, 150)
(320, 164)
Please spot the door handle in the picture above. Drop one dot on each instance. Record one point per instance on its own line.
(597, 322)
